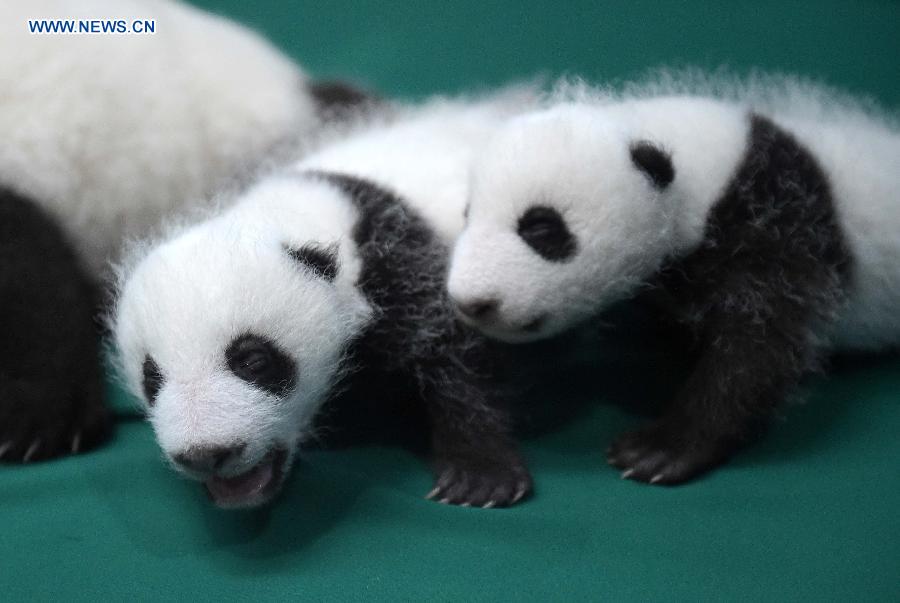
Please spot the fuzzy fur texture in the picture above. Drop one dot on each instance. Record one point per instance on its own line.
(50, 380)
(372, 320)
(110, 133)
(778, 237)
(105, 135)
(423, 152)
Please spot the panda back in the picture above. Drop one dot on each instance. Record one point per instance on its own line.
(861, 158)
(859, 152)
(110, 132)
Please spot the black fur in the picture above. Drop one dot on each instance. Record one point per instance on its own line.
(654, 162)
(338, 100)
(322, 261)
(51, 389)
(257, 360)
(545, 231)
(423, 366)
(772, 267)
(152, 380)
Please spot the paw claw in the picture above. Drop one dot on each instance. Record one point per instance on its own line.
(45, 418)
(444, 501)
(481, 482)
(31, 450)
(433, 493)
(667, 453)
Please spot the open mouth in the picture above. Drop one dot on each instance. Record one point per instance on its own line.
(251, 488)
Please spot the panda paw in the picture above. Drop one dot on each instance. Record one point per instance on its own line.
(664, 454)
(481, 483)
(38, 423)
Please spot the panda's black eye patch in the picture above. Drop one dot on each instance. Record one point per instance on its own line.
(545, 231)
(323, 261)
(152, 379)
(257, 360)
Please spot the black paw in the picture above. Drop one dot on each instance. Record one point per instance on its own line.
(481, 484)
(40, 422)
(664, 454)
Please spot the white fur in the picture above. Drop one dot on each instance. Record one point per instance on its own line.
(425, 154)
(862, 160)
(110, 132)
(228, 276)
(187, 298)
(573, 155)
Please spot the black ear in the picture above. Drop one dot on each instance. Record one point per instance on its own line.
(323, 261)
(153, 379)
(654, 162)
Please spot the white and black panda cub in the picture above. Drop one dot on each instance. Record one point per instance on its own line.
(769, 227)
(323, 286)
(102, 136)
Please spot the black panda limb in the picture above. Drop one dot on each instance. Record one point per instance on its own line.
(51, 389)
(420, 355)
(772, 269)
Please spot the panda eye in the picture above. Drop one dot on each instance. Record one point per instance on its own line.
(257, 360)
(152, 379)
(545, 231)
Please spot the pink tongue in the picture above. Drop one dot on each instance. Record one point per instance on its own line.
(242, 486)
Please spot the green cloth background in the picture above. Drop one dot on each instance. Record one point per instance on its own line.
(810, 514)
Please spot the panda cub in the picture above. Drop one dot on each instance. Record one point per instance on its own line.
(769, 229)
(103, 136)
(322, 284)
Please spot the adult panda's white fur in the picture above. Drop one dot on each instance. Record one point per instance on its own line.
(112, 132)
(621, 194)
(102, 136)
(325, 266)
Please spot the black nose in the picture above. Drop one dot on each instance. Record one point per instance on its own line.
(477, 309)
(206, 459)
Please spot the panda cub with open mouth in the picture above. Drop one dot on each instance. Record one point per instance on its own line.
(767, 225)
(318, 286)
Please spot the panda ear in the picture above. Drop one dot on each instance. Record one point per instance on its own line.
(323, 261)
(654, 162)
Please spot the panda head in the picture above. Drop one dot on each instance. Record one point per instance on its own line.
(567, 212)
(233, 334)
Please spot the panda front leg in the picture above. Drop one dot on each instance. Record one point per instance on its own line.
(44, 417)
(51, 388)
(476, 460)
(744, 372)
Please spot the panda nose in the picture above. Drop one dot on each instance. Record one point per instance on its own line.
(477, 309)
(207, 459)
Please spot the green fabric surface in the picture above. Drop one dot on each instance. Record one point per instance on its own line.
(810, 514)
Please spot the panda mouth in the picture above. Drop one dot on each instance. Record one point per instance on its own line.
(252, 488)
